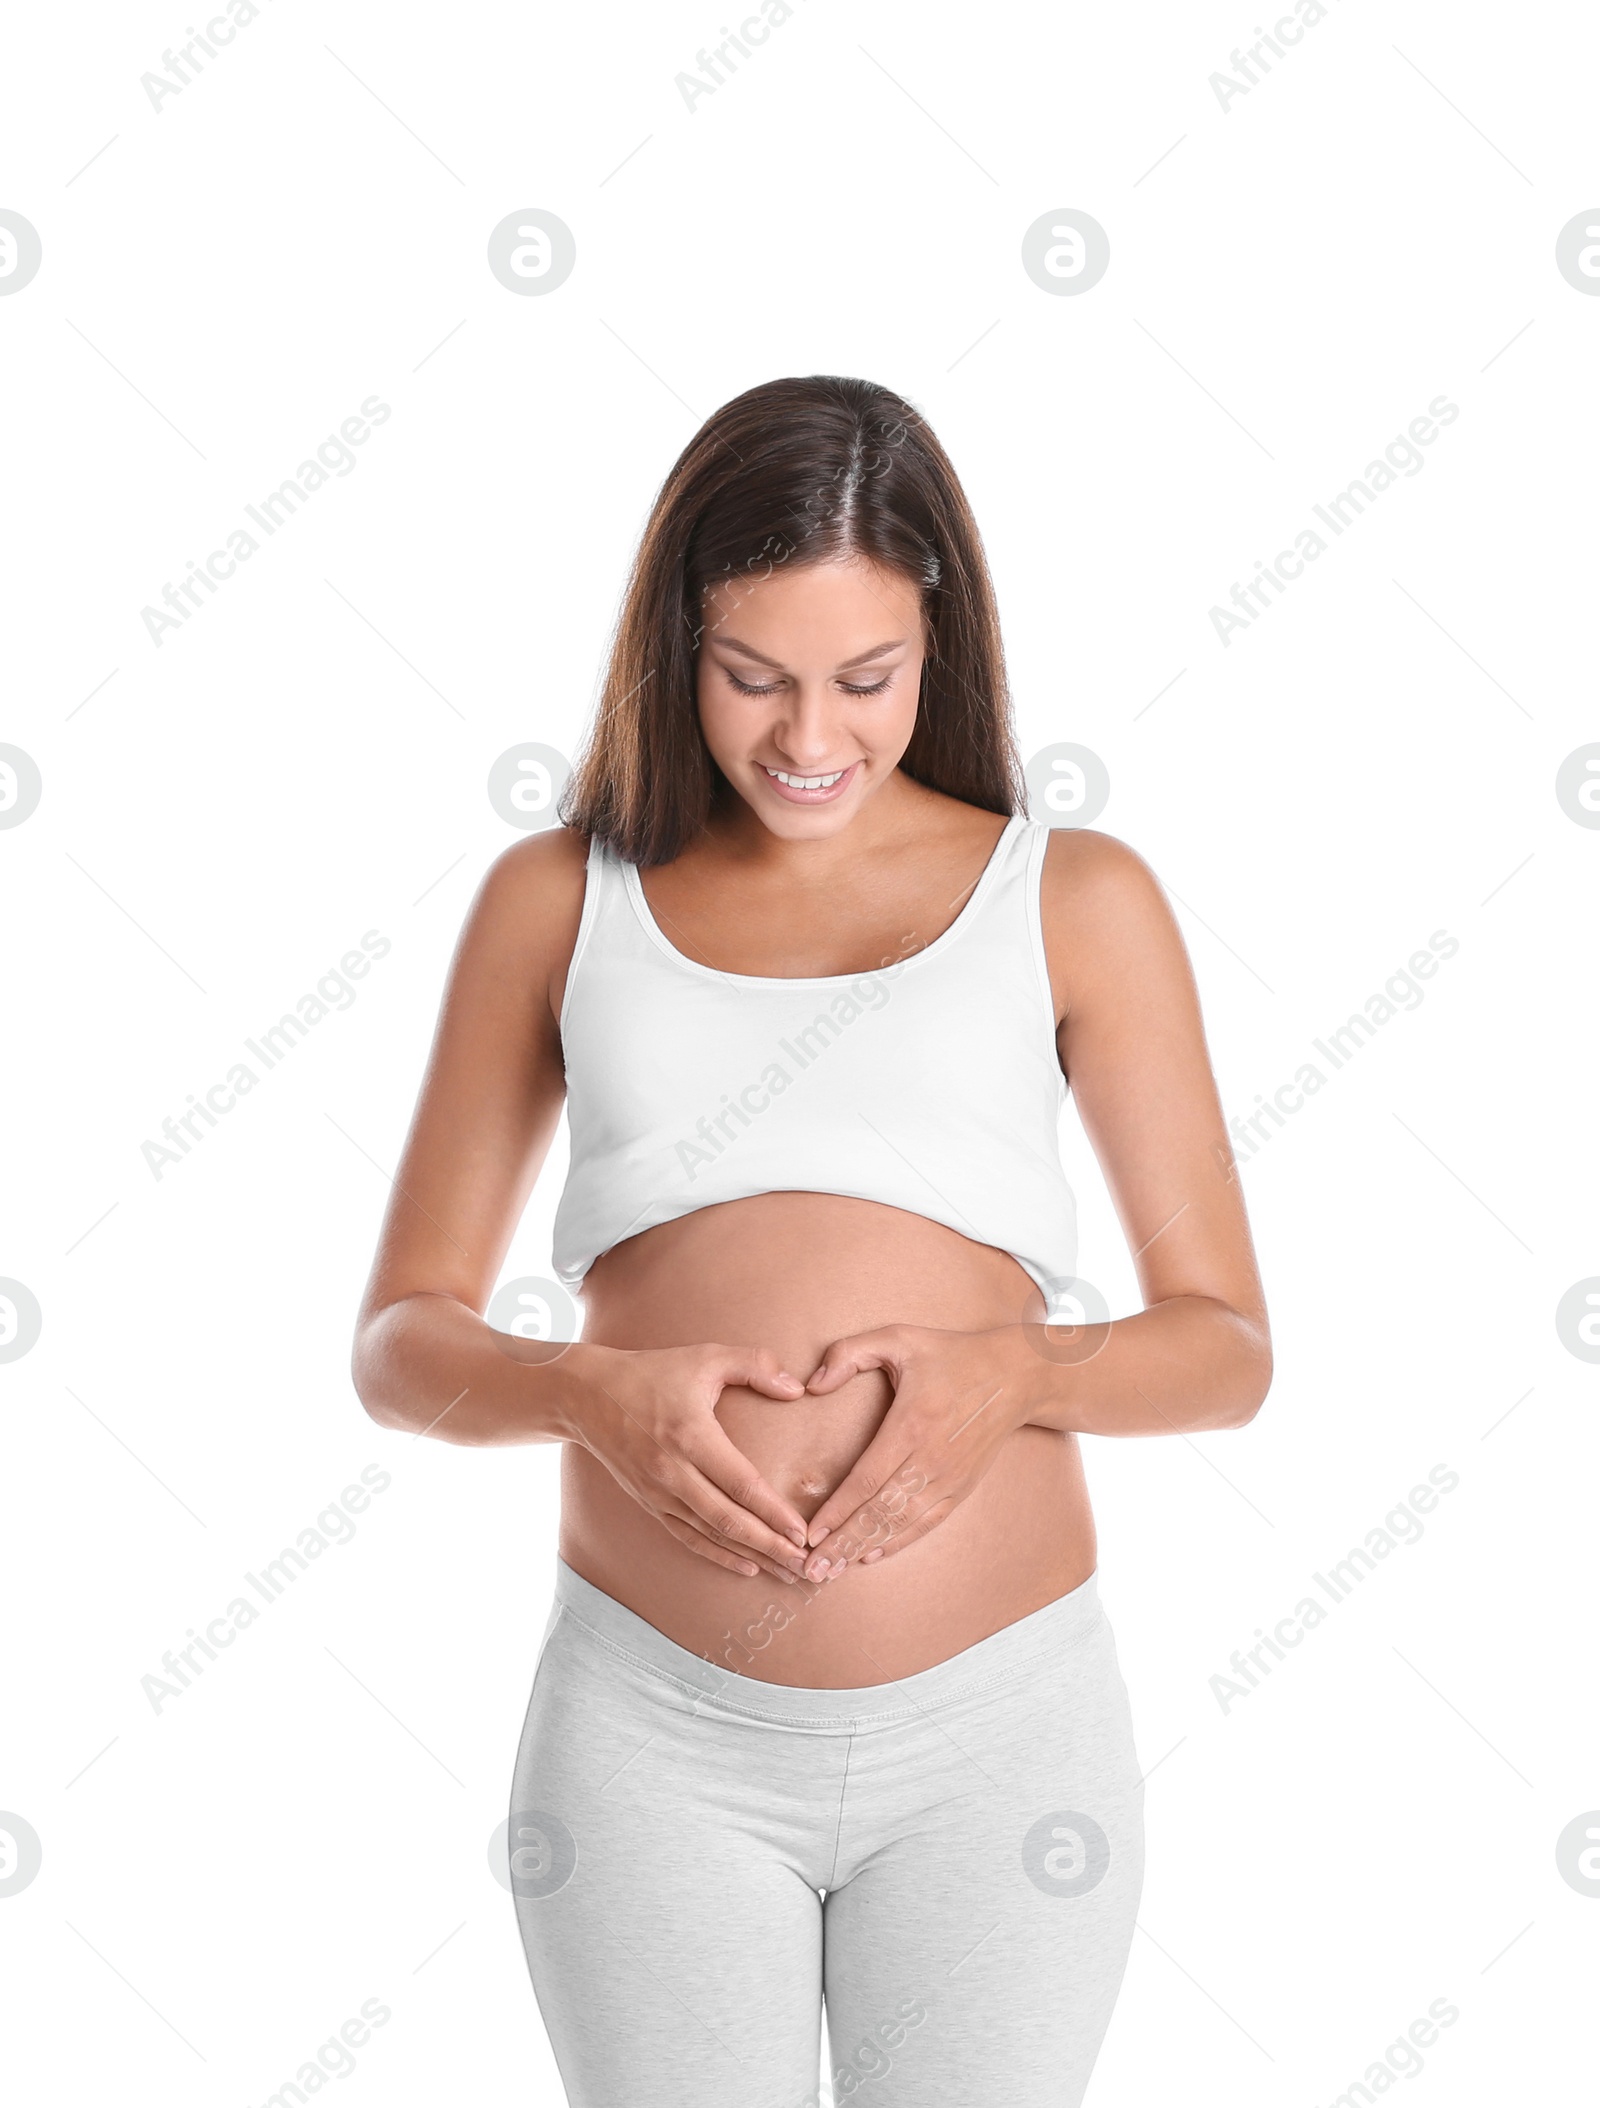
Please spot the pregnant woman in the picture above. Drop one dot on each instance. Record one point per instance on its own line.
(827, 1707)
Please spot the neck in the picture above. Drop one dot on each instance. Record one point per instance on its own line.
(897, 811)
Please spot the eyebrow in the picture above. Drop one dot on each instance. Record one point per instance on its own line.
(749, 651)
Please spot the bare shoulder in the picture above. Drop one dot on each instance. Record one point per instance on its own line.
(524, 919)
(536, 886)
(543, 866)
(1087, 873)
(1104, 915)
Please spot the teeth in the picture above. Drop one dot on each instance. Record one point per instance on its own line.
(806, 783)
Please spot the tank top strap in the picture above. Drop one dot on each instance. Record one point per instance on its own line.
(602, 888)
(1010, 921)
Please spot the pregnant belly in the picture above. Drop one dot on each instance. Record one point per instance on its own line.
(794, 1272)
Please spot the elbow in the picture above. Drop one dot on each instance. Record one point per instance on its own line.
(367, 1366)
(376, 1410)
(1252, 1376)
(1237, 1359)
(360, 1382)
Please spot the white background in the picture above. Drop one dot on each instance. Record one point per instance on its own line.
(1292, 281)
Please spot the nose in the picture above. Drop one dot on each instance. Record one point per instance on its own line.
(809, 735)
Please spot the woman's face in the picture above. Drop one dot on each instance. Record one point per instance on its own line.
(808, 683)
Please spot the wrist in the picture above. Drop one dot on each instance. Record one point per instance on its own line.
(1033, 1365)
(587, 1384)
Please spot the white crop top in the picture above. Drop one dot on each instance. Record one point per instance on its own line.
(930, 1084)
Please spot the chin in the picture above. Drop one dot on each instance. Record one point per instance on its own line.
(806, 823)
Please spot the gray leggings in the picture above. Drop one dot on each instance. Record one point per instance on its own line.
(699, 1858)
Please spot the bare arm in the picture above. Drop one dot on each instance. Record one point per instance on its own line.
(424, 1359)
(489, 1104)
(1198, 1356)
(1132, 1045)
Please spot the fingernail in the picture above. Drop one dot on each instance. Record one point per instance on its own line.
(820, 1535)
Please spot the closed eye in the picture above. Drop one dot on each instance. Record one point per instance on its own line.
(772, 687)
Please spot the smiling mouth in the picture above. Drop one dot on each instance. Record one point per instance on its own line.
(796, 789)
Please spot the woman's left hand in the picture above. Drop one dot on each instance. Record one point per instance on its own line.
(957, 1395)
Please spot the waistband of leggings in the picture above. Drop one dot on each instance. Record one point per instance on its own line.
(1005, 1654)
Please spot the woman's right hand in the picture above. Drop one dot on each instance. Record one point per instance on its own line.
(650, 1417)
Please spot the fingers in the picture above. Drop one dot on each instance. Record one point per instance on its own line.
(697, 1542)
(776, 1525)
(860, 1484)
(759, 1369)
(698, 1470)
(884, 1526)
(833, 1369)
(723, 1494)
(891, 1507)
(849, 1357)
(882, 1457)
(722, 1553)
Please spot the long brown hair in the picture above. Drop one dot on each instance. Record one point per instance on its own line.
(795, 471)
